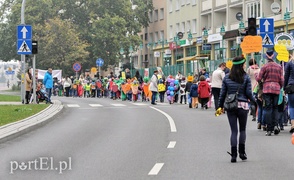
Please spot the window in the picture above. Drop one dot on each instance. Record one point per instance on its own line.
(177, 27)
(170, 5)
(151, 37)
(146, 37)
(151, 16)
(156, 37)
(161, 35)
(156, 15)
(177, 5)
(188, 25)
(253, 10)
(183, 2)
(193, 26)
(161, 14)
(171, 35)
(183, 27)
(193, 2)
(289, 5)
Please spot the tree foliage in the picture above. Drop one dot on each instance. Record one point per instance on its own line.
(68, 30)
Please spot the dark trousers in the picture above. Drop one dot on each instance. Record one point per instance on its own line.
(204, 102)
(67, 91)
(161, 96)
(49, 93)
(28, 96)
(153, 98)
(238, 117)
(270, 110)
(215, 93)
(185, 98)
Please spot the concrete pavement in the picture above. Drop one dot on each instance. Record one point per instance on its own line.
(18, 128)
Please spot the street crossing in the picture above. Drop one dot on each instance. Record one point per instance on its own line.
(112, 105)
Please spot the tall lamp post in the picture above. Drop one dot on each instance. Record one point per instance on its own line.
(121, 52)
(287, 19)
(176, 41)
(163, 43)
(190, 38)
(141, 58)
(205, 36)
(131, 50)
(241, 31)
(222, 33)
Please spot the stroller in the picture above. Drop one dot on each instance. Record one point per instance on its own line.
(42, 96)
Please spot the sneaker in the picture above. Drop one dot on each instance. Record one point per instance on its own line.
(276, 130)
(254, 119)
(264, 128)
(268, 133)
(258, 126)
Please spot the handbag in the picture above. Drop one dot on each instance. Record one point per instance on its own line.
(231, 101)
(289, 89)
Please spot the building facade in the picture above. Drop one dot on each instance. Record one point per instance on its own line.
(189, 19)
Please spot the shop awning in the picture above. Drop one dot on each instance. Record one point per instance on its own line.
(188, 58)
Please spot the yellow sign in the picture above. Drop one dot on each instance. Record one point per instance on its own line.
(94, 70)
(251, 44)
(123, 75)
(283, 54)
(229, 64)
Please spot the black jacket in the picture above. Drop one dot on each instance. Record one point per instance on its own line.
(289, 74)
(231, 87)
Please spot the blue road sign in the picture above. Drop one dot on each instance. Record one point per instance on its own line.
(266, 25)
(24, 46)
(24, 32)
(77, 67)
(24, 39)
(99, 62)
(267, 39)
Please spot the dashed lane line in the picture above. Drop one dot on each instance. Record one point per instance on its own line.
(156, 168)
(73, 105)
(171, 144)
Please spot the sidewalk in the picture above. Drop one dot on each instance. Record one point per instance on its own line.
(18, 128)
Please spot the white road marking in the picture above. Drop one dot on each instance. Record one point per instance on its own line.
(95, 105)
(171, 144)
(170, 119)
(118, 105)
(73, 105)
(140, 104)
(156, 168)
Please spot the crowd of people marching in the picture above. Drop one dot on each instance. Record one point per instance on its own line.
(266, 92)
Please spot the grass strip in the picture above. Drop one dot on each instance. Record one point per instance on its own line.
(13, 113)
(9, 98)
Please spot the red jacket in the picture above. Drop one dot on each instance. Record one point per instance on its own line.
(203, 89)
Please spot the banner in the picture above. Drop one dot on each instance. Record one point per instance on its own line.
(55, 73)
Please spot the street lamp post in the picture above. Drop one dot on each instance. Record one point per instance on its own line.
(163, 43)
(190, 38)
(121, 52)
(241, 31)
(222, 33)
(205, 36)
(176, 41)
(131, 50)
(141, 59)
(287, 19)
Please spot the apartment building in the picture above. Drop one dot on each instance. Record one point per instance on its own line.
(172, 18)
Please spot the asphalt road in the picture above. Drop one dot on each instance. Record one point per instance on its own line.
(108, 139)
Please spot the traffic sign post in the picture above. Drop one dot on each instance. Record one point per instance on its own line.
(99, 63)
(76, 67)
(24, 39)
(267, 32)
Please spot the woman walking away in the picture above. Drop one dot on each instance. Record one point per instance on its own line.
(289, 89)
(237, 81)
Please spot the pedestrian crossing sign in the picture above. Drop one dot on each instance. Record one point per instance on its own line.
(24, 47)
(267, 40)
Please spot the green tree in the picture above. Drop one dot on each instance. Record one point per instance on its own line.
(98, 26)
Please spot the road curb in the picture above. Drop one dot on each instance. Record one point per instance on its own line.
(16, 129)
